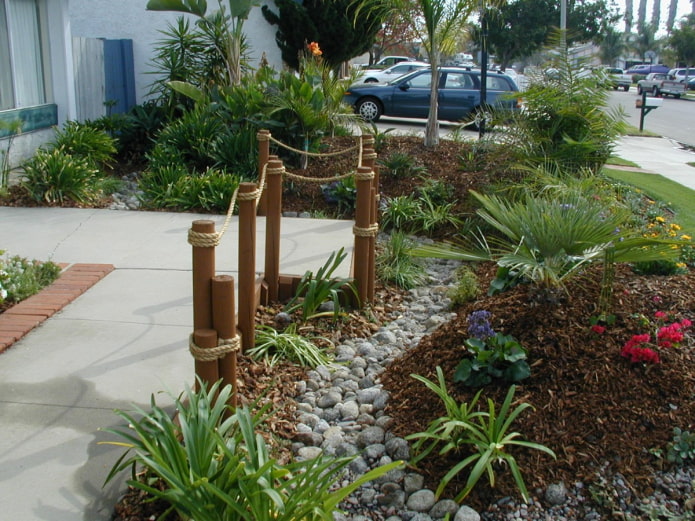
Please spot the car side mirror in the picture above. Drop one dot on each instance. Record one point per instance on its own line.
(404, 86)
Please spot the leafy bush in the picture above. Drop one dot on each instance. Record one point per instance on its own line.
(216, 466)
(495, 355)
(86, 141)
(682, 448)
(53, 176)
(399, 213)
(395, 265)
(423, 214)
(314, 290)
(659, 267)
(21, 278)
(273, 346)
(342, 193)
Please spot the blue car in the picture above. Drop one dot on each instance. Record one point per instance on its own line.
(409, 95)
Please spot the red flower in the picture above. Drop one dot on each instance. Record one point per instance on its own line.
(660, 314)
(599, 330)
(314, 49)
(686, 323)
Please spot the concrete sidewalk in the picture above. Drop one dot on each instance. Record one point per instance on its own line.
(115, 345)
(658, 155)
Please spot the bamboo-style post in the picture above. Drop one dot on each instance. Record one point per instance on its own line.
(273, 191)
(362, 230)
(247, 263)
(369, 160)
(224, 321)
(203, 267)
(263, 137)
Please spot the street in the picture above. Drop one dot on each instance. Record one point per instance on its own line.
(675, 119)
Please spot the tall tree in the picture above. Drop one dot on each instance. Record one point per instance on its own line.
(612, 46)
(682, 40)
(521, 27)
(645, 40)
(437, 23)
(656, 13)
(332, 24)
(629, 13)
(642, 13)
(672, 10)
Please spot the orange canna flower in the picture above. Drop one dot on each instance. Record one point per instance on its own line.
(314, 49)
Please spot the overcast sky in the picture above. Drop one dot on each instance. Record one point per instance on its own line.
(684, 8)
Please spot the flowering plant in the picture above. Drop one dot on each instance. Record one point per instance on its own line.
(314, 49)
(669, 333)
(496, 355)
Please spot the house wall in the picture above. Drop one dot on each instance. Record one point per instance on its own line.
(129, 19)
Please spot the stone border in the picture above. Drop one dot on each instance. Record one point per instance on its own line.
(17, 321)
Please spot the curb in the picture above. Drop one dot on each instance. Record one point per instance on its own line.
(17, 321)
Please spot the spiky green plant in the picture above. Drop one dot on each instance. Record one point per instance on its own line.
(273, 346)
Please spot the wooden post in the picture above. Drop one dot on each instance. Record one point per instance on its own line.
(224, 321)
(247, 263)
(206, 371)
(203, 271)
(369, 159)
(363, 181)
(273, 220)
(263, 137)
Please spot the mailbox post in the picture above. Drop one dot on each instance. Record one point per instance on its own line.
(646, 105)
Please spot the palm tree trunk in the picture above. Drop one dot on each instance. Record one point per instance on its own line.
(641, 14)
(656, 13)
(432, 127)
(672, 10)
(629, 12)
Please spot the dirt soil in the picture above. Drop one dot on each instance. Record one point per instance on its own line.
(591, 406)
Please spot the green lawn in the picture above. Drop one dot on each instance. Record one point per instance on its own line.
(679, 198)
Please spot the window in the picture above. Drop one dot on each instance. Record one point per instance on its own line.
(423, 80)
(496, 83)
(457, 80)
(22, 52)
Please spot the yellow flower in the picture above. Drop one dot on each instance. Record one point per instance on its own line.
(660, 219)
(681, 264)
(675, 226)
(686, 237)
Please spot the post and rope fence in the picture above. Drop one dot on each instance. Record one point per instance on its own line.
(218, 332)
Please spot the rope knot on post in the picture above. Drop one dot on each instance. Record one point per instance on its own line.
(203, 240)
(364, 176)
(211, 354)
(370, 231)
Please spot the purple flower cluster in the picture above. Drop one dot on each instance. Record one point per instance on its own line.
(479, 325)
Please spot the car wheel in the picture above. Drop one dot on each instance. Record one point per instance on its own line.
(371, 80)
(655, 91)
(369, 109)
(639, 89)
(626, 88)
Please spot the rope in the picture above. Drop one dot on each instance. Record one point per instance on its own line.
(210, 354)
(370, 231)
(210, 240)
(315, 154)
(318, 179)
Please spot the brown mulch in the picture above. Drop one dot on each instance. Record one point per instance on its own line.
(591, 406)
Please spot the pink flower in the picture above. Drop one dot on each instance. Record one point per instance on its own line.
(685, 323)
(660, 315)
(599, 330)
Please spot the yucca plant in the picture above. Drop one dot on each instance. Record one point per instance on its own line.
(216, 466)
(86, 141)
(314, 290)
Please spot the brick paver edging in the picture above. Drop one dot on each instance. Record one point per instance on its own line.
(25, 316)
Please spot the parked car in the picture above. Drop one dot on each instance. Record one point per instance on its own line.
(387, 61)
(391, 73)
(409, 95)
(647, 68)
(618, 78)
(660, 84)
(680, 75)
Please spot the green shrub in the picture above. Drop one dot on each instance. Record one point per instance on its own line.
(86, 141)
(216, 465)
(21, 278)
(467, 288)
(682, 448)
(395, 265)
(660, 267)
(401, 165)
(399, 213)
(54, 176)
(342, 193)
(273, 346)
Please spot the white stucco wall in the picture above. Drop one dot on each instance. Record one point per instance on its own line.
(129, 19)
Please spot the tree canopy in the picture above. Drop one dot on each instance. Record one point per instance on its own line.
(332, 24)
(519, 28)
(682, 40)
